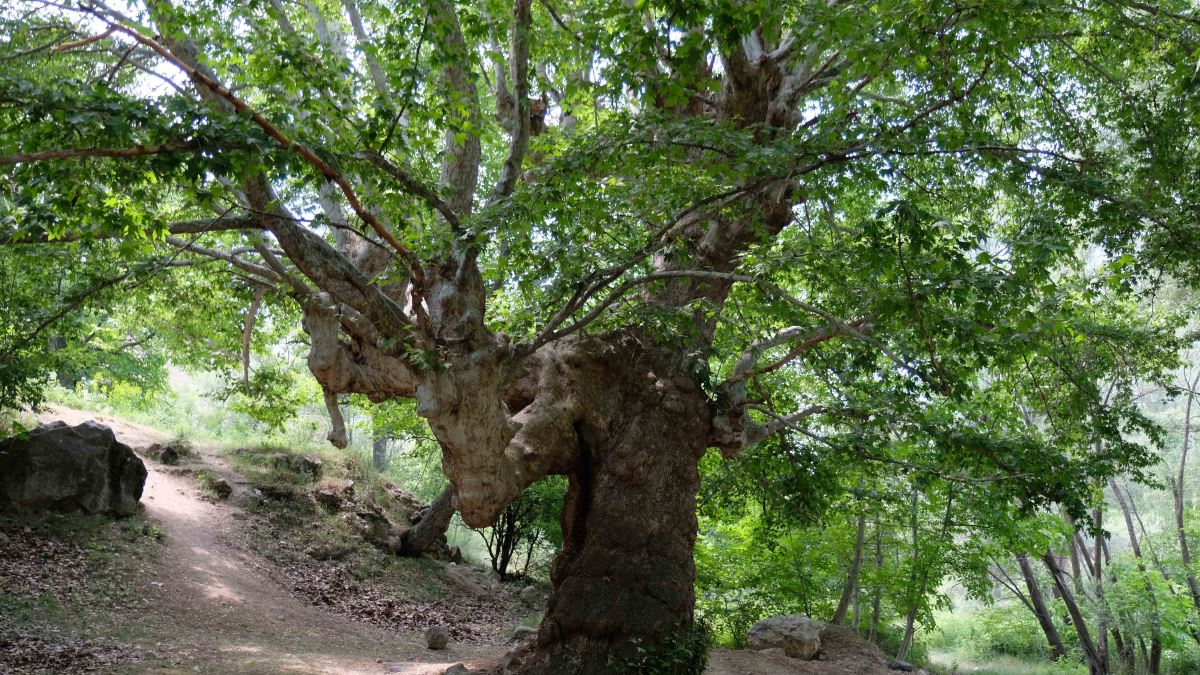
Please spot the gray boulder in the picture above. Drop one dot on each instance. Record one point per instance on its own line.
(456, 669)
(798, 636)
(531, 597)
(437, 637)
(63, 468)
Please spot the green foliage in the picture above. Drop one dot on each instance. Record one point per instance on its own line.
(528, 525)
(680, 652)
(1002, 630)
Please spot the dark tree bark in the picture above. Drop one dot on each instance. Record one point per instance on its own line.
(1045, 619)
(432, 526)
(851, 588)
(626, 570)
(1154, 659)
(1091, 654)
(379, 451)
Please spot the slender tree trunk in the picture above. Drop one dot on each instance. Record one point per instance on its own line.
(877, 591)
(851, 587)
(1078, 551)
(432, 527)
(918, 590)
(1057, 650)
(379, 450)
(1101, 603)
(1090, 652)
(1154, 660)
(1124, 647)
(913, 591)
(1177, 487)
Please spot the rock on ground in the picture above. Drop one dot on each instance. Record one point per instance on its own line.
(531, 597)
(796, 634)
(66, 468)
(842, 653)
(437, 637)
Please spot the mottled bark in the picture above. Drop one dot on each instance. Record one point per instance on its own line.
(626, 573)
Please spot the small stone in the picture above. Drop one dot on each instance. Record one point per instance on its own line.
(436, 637)
(530, 596)
(220, 487)
(456, 669)
(329, 499)
(307, 464)
(902, 666)
(523, 632)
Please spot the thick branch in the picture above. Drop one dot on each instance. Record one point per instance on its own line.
(518, 63)
(76, 153)
(209, 83)
(221, 224)
(462, 153)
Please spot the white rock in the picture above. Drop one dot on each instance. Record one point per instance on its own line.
(798, 636)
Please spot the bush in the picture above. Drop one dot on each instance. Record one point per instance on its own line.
(1008, 630)
(682, 652)
(889, 637)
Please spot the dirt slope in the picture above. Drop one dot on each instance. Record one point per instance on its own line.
(842, 653)
(213, 610)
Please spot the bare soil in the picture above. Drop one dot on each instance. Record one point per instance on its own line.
(842, 653)
(210, 604)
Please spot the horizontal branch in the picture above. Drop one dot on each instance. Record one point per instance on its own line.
(179, 227)
(228, 256)
(74, 153)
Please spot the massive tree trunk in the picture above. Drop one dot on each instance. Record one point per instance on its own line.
(626, 573)
(617, 412)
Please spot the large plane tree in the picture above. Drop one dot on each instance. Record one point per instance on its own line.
(599, 238)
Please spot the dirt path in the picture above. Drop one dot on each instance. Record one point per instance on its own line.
(215, 612)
